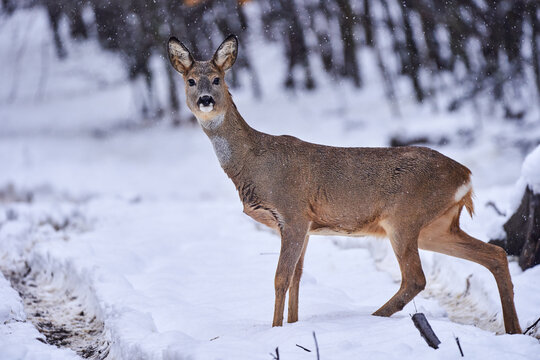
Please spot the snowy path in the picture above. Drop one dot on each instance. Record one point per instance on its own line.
(59, 313)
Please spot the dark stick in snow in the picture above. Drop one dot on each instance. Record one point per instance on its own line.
(421, 323)
(276, 356)
(494, 207)
(532, 326)
(303, 348)
(459, 346)
(316, 345)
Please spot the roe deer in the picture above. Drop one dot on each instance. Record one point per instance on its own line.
(413, 195)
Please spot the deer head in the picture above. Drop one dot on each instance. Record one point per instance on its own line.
(207, 94)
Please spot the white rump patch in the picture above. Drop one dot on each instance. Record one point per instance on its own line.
(462, 191)
(222, 149)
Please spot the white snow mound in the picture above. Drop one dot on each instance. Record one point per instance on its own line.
(530, 170)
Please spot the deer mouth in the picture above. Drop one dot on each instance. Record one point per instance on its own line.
(206, 103)
(206, 108)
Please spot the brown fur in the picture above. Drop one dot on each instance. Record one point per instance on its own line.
(467, 201)
(300, 188)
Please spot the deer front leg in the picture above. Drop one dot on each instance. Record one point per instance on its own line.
(405, 246)
(292, 243)
(292, 314)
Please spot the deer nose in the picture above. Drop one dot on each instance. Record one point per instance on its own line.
(205, 100)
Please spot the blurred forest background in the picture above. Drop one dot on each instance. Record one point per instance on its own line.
(472, 51)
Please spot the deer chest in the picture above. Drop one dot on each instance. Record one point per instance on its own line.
(257, 208)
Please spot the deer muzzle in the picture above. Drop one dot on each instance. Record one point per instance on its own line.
(206, 103)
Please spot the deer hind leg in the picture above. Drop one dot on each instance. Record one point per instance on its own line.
(292, 314)
(444, 236)
(292, 243)
(405, 246)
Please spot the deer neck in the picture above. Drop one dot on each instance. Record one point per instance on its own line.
(232, 139)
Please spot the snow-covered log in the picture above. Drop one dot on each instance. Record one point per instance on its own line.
(522, 229)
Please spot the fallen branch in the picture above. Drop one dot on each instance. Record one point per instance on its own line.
(421, 323)
(276, 356)
(532, 326)
(492, 205)
(303, 348)
(459, 346)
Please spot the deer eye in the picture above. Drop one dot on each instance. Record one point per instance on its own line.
(191, 82)
(216, 81)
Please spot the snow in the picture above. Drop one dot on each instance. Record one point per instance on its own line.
(529, 177)
(530, 170)
(142, 223)
(10, 305)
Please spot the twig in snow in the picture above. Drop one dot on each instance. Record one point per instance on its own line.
(492, 204)
(421, 323)
(303, 348)
(467, 285)
(459, 346)
(316, 345)
(276, 356)
(530, 327)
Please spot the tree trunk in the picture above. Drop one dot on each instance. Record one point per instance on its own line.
(367, 23)
(346, 26)
(76, 22)
(535, 36)
(297, 51)
(55, 12)
(412, 68)
(523, 231)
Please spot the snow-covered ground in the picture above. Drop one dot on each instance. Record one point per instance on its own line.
(139, 228)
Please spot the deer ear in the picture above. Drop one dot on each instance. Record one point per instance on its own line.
(179, 56)
(226, 53)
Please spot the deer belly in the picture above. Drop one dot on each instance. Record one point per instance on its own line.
(372, 229)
